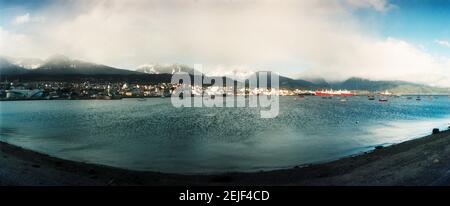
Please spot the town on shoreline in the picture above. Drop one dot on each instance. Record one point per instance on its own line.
(54, 90)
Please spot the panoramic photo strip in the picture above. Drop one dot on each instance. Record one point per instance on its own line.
(239, 97)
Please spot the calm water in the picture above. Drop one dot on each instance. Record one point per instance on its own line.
(153, 135)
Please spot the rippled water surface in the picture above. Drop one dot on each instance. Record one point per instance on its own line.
(153, 135)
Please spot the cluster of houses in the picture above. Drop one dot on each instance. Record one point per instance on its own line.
(88, 90)
(84, 90)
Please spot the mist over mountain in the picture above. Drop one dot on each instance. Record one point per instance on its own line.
(27, 63)
(164, 69)
(62, 68)
(320, 82)
(286, 82)
(355, 83)
(393, 86)
(7, 68)
(59, 64)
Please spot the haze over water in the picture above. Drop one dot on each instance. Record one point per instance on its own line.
(153, 135)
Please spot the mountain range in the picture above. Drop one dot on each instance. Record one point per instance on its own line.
(62, 68)
(57, 65)
(164, 69)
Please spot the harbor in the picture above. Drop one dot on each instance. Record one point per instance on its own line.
(160, 137)
(14, 91)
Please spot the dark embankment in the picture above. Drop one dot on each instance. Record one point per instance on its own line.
(424, 161)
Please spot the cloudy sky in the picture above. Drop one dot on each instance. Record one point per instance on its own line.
(334, 39)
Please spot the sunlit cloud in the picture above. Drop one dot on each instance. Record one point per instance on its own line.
(22, 19)
(443, 43)
(26, 18)
(379, 5)
(295, 38)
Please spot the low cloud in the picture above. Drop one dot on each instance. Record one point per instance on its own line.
(295, 38)
(22, 19)
(378, 5)
(443, 43)
(388, 59)
(27, 18)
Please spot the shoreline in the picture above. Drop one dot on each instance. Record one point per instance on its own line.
(421, 161)
(150, 97)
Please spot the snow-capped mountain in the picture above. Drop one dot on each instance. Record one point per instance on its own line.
(172, 68)
(8, 68)
(164, 68)
(239, 75)
(59, 64)
(28, 63)
(56, 65)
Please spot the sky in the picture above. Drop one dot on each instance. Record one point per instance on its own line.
(332, 39)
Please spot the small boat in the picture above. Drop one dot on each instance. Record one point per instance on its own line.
(418, 98)
(371, 97)
(408, 97)
(383, 99)
(343, 100)
(142, 99)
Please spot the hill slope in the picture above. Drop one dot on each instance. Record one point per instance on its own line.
(61, 65)
(7, 68)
